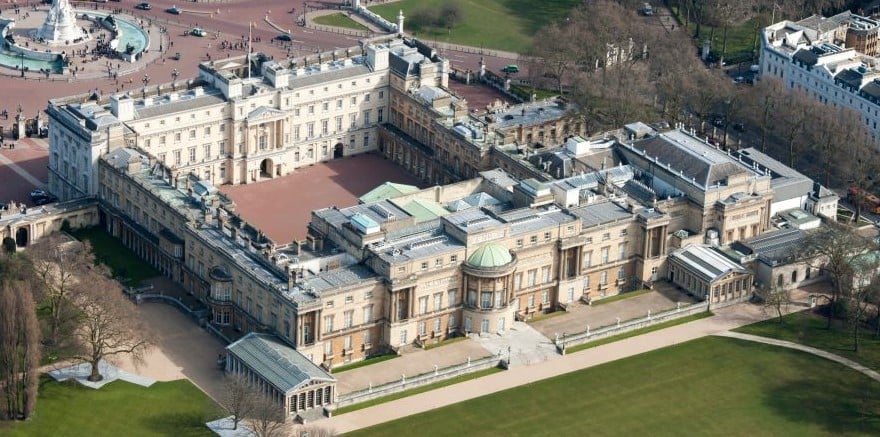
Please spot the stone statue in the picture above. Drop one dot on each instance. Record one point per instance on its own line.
(60, 25)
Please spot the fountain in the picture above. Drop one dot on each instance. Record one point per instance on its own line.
(60, 39)
(60, 26)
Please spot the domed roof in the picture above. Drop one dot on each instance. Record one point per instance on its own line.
(490, 255)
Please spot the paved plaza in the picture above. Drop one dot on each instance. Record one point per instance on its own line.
(663, 297)
(282, 207)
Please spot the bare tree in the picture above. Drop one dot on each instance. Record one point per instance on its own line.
(266, 418)
(775, 298)
(58, 264)
(863, 288)
(238, 398)
(729, 13)
(19, 351)
(108, 324)
(832, 248)
(553, 47)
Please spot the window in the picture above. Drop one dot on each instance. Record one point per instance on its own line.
(403, 337)
(349, 299)
(347, 343)
(339, 104)
(472, 297)
(311, 109)
(604, 254)
(438, 301)
(603, 278)
(192, 134)
(485, 300)
(621, 251)
(311, 130)
(381, 114)
(367, 114)
(381, 94)
(531, 301)
(147, 143)
(438, 262)
(338, 123)
(545, 274)
(207, 131)
(547, 236)
(450, 298)
(517, 281)
(532, 276)
(423, 304)
(436, 325)
(325, 126)
(328, 323)
(368, 339)
(207, 150)
(424, 266)
(519, 242)
(545, 297)
(451, 321)
(367, 97)
(533, 239)
(368, 314)
(794, 276)
(606, 236)
(352, 120)
(423, 328)
(177, 157)
(453, 259)
(162, 140)
(325, 106)
(328, 348)
(499, 299)
(296, 133)
(588, 259)
(177, 137)
(348, 319)
(354, 100)
(621, 273)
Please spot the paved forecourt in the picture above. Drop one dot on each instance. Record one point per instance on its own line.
(282, 207)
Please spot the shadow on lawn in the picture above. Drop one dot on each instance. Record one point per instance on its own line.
(837, 405)
(179, 424)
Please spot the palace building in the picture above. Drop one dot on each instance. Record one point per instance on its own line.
(526, 215)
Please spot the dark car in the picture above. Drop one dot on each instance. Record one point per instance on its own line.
(143, 6)
(36, 192)
(173, 10)
(284, 37)
(44, 200)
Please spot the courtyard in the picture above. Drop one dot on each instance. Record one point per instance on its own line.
(663, 297)
(282, 208)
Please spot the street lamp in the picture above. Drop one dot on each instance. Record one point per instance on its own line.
(174, 74)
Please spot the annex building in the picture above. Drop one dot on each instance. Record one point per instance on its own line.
(832, 59)
(525, 215)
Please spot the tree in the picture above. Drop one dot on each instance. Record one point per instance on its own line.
(59, 264)
(266, 418)
(832, 248)
(552, 44)
(729, 13)
(19, 351)
(9, 245)
(108, 323)
(238, 398)
(775, 298)
(863, 288)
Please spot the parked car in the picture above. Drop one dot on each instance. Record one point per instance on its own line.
(44, 200)
(284, 37)
(143, 6)
(173, 10)
(198, 31)
(510, 69)
(37, 192)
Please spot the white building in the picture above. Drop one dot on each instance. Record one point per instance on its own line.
(831, 59)
(237, 123)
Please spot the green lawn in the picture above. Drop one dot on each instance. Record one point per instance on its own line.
(417, 390)
(339, 20)
(707, 387)
(175, 408)
(126, 266)
(740, 38)
(498, 24)
(809, 328)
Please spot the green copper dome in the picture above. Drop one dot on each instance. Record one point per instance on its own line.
(490, 255)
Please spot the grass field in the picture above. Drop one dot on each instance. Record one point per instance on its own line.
(175, 408)
(339, 20)
(809, 328)
(707, 387)
(498, 24)
(740, 38)
(126, 266)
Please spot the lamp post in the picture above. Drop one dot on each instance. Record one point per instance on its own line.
(174, 75)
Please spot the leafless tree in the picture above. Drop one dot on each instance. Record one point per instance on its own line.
(108, 326)
(238, 398)
(775, 298)
(553, 44)
(833, 248)
(863, 288)
(58, 264)
(728, 13)
(19, 350)
(265, 419)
